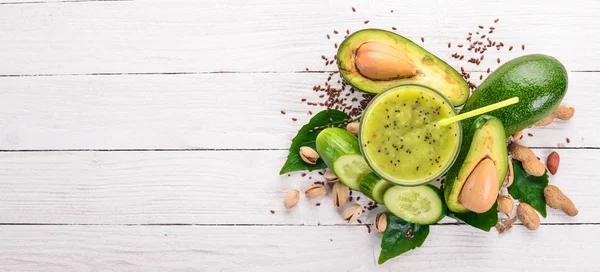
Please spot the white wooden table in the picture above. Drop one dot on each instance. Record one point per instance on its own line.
(146, 135)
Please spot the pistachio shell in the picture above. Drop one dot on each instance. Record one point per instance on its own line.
(291, 198)
(380, 222)
(340, 194)
(352, 213)
(329, 175)
(353, 127)
(315, 191)
(309, 155)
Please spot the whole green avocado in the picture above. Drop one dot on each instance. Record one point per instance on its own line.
(540, 82)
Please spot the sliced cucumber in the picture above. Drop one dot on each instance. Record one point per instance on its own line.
(374, 187)
(339, 149)
(349, 169)
(421, 204)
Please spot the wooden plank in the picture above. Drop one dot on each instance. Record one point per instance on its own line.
(199, 36)
(203, 187)
(201, 111)
(325, 248)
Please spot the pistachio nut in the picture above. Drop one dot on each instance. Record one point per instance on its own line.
(309, 155)
(291, 198)
(329, 175)
(353, 127)
(340, 194)
(352, 213)
(315, 191)
(380, 222)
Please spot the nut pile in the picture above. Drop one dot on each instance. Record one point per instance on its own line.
(341, 195)
(554, 197)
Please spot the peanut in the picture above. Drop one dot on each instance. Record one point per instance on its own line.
(518, 135)
(510, 174)
(527, 215)
(505, 204)
(562, 113)
(530, 162)
(557, 200)
(552, 162)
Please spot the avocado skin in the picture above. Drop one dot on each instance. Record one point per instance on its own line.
(540, 82)
(435, 73)
(450, 197)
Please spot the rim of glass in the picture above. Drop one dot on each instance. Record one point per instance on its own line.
(404, 182)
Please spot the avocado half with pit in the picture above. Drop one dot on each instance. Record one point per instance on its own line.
(373, 60)
(473, 182)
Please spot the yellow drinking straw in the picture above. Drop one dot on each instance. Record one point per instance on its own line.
(479, 111)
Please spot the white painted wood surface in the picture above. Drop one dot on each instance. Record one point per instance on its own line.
(124, 146)
(290, 248)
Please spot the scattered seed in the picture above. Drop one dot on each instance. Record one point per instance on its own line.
(294, 119)
(480, 26)
(568, 140)
(522, 47)
(394, 28)
(366, 22)
(510, 48)
(335, 31)
(529, 134)
(488, 70)
(497, 19)
(328, 37)
(353, 9)
(422, 39)
(498, 60)
(449, 45)
(392, 11)
(317, 204)
(282, 112)
(272, 212)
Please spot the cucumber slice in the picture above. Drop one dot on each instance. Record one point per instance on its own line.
(340, 150)
(420, 205)
(374, 187)
(349, 169)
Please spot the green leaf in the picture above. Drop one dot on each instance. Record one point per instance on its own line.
(529, 189)
(400, 237)
(483, 221)
(307, 138)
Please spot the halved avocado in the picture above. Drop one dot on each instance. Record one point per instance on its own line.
(373, 60)
(473, 182)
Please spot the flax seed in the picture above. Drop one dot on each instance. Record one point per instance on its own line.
(353, 9)
(366, 22)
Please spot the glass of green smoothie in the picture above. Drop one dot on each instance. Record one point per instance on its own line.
(400, 138)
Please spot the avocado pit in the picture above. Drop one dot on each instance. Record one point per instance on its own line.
(380, 61)
(481, 187)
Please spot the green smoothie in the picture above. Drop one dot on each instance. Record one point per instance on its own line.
(400, 138)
